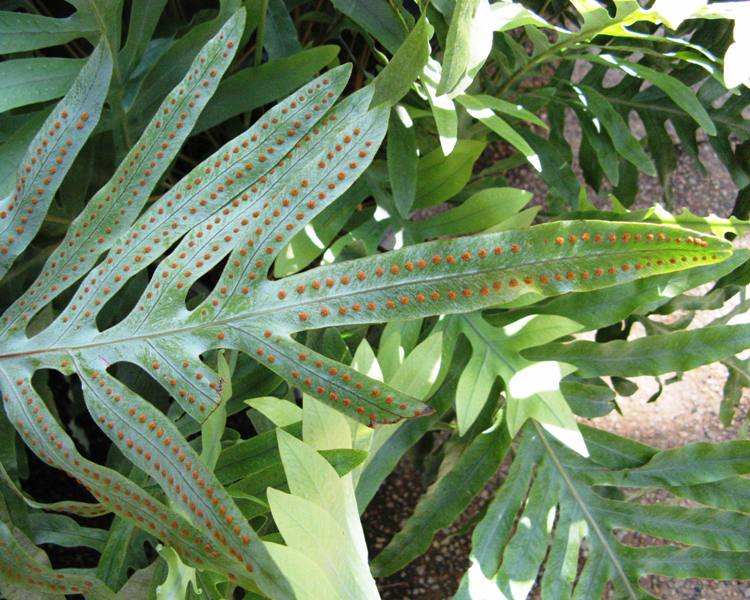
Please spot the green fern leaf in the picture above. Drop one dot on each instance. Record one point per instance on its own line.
(82, 509)
(244, 204)
(51, 155)
(552, 494)
(465, 274)
(21, 570)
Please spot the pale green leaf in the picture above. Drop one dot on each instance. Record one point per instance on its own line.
(417, 374)
(312, 530)
(396, 342)
(532, 388)
(509, 15)
(467, 46)
(480, 211)
(441, 177)
(501, 127)
(212, 429)
(508, 108)
(179, 577)
(307, 579)
(396, 78)
(443, 108)
(281, 413)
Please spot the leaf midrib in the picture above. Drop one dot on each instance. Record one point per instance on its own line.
(256, 312)
(587, 513)
(174, 213)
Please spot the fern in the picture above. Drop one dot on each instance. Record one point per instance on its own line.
(244, 203)
(563, 503)
(666, 81)
(51, 155)
(21, 569)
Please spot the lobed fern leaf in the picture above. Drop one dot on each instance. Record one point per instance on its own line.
(23, 571)
(51, 155)
(244, 203)
(555, 497)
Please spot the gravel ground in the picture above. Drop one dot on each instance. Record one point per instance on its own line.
(687, 411)
(435, 574)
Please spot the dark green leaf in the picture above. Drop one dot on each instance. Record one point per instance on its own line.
(375, 17)
(681, 94)
(31, 80)
(64, 531)
(622, 140)
(251, 88)
(402, 162)
(652, 355)
(445, 500)
(280, 39)
(588, 399)
(21, 32)
(144, 16)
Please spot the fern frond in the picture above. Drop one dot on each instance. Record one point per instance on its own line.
(244, 204)
(82, 509)
(469, 273)
(51, 155)
(554, 496)
(24, 572)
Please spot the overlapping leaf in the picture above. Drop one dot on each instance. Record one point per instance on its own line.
(551, 494)
(21, 32)
(243, 204)
(656, 87)
(51, 155)
(25, 572)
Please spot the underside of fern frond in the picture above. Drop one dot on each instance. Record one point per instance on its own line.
(244, 203)
(23, 571)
